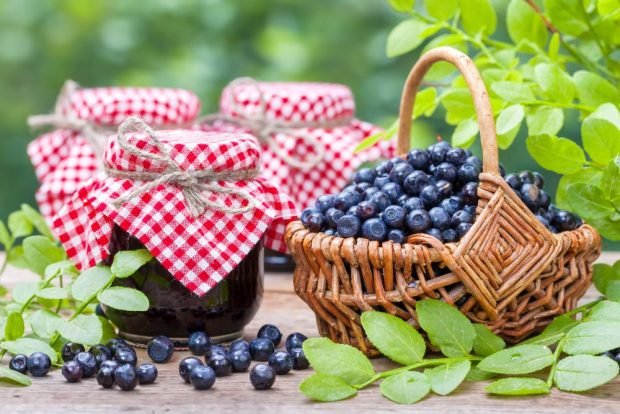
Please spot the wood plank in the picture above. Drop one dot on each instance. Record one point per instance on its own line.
(235, 394)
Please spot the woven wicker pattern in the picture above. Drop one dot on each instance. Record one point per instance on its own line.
(508, 272)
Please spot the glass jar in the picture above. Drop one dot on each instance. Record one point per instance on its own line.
(222, 313)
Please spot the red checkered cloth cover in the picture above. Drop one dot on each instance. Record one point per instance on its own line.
(63, 159)
(294, 104)
(197, 251)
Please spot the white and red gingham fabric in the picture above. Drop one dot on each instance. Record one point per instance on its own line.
(295, 103)
(197, 251)
(63, 159)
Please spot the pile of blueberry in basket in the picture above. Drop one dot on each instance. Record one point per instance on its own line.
(432, 191)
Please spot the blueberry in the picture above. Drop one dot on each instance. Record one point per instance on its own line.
(381, 200)
(346, 200)
(105, 376)
(261, 349)
(413, 203)
(374, 229)
(270, 332)
(199, 343)
(281, 362)
(539, 180)
(160, 349)
(19, 363)
(565, 221)
(126, 377)
(299, 359)
(384, 168)
(397, 236)
(513, 181)
(449, 235)
(304, 214)
(352, 211)
(462, 229)
(88, 363)
(187, 365)
(239, 345)
(418, 159)
(529, 195)
(115, 343)
(429, 196)
(440, 218)
(295, 340)
(452, 204)
(147, 373)
(415, 182)
(418, 221)
(330, 232)
(393, 191)
(350, 188)
(202, 377)
(315, 222)
(220, 364)
(444, 188)
(262, 377)
(394, 216)
(400, 171)
(543, 199)
(110, 363)
(365, 210)
(445, 171)
(218, 349)
(467, 172)
(39, 364)
(369, 192)
(469, 193)
(324, 203)
(395, 161)
(475, 161)
(543, 220)
(437, 153)
(461, 216)
(70, 350)
(527, 177)
(364, 175)
(471, 209)
(126, 355)
(361, 187)
(381, 180)
(101, 353)
(436, 233)
(332, 216)
(240, 360)
(349, 225)
(456, 156)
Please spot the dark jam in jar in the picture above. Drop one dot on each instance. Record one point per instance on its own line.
(175, 312)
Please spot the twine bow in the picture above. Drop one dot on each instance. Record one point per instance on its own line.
(264, 129)
(192, 183)
(93, 135)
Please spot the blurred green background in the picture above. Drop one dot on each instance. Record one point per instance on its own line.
(200, 45)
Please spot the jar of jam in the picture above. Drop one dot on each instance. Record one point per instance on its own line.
(194, 200)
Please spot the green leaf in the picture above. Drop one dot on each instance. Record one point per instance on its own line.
(37, 221)
(587, 175)
(545, 120)
(90, 282)
(342, 361)
(508, 124)
(584, 372)
(601, 139)
(458, 105)
(486, 342)
(45, 323)
(123, 298)
(19, 224)
(594, 90)
(14, 328)
(524, 24)
(608, 8)
(8, 375)
(425, 102)
(613, 290)
(322, 387)
(53, 293)
(567, 157)
(446, 378)
(567, 16)
(592, 338)
(393, 337)
(554, 331)
(402, 5)
(405, 37)
(521, 359)
(64, 267)
(602, 274)
(40, 252)
(84, 329)
(605, 311)
(107, 329)
(478, 16)
(555, 83)
(17, 258)
(476, 374)
(465, 133)
(608, 229)
(126, 263)
(24, 291)
(370, 141)
(515, 92)
(447, 328)
(588, 201)
(28, 346)
(610, 182)
(609, 112)
(441, 9)
(405, 388)
(518, 386)
(5, 237)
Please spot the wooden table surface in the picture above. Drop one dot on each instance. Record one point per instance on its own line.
(235, 394)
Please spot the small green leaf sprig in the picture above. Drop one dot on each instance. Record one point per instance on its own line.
(471, 352)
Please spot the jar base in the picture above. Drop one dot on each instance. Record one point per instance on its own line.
(179, 343)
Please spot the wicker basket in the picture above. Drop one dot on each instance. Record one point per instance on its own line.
(508, 272)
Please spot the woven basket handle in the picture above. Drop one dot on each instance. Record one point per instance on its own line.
(477, 89)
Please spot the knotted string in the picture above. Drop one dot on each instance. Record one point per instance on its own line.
(94, 136)
(192, 183)
(264, 129)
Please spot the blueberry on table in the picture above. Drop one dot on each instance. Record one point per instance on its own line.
(261, 349)
(281, 362)
(444, 188)
(263, 376)
(529, 195)
(218, 349)
(199, 343)
(393, 190)
(332, 216)
(39, 364)
(147, 373)
(345, 200)
(160, 349)
(445, 171)
(299, 359)
(324, 202)
(462, 229)
(270, 332)
(413, 203)
(394, 216)
(451, 204)
(513, 181)
(126, 355)
(295, 340)
(415, 182)
(202, 377)
(449, 235)
(239, 345)
(364, 175)
(467, 172)
(456, 156)
(374, 229)
(240, 360)
(19, 363)
(469, 192)
(72, 371)
(349, 226)
(418, 159)
(220, 364)
(461, 216)
(126, 377)
(110, 363)
(365, 210)
(101, 353)
(418, 221)
(70, 350)
(105, 376)
(436, 233)
(400, 171)
(397, 236)
(440, 218)
(88, 363)
(187, 365)
(115, 343)
(381, 200)
(429, 196)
